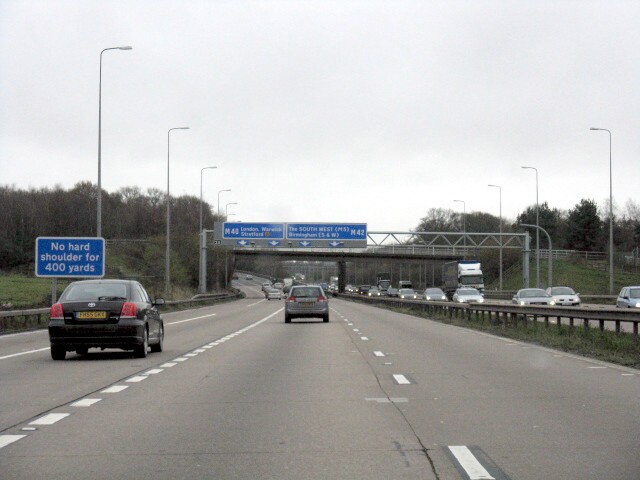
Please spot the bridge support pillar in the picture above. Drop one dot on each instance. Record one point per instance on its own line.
(342, 275)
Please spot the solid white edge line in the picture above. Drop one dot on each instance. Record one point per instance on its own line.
(24, 353)
(470, 463)
(9, 439)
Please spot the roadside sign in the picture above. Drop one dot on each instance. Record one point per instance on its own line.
(70, 257)
(241, 230)
(327, 231)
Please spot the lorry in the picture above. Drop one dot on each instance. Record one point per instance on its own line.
(405, 284)
(383, 281)
(462, 273)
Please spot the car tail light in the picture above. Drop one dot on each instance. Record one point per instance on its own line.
(321, 299)
(129, 309)
(56, 311)
(291, 299)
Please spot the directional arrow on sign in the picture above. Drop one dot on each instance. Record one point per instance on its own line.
(274, 243)
(305, 244)
(242, 243)
(335, 243)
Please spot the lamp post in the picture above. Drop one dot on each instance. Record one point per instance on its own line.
(464, 225)
(500, 190)
(550, 271)
(227, 190)
(610, 213)
(226, 208)
(99, 212)
(537, 230)
(167, 266)
(201, 172)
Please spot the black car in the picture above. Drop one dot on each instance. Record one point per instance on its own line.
(105, 314)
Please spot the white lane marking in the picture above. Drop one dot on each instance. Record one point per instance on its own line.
(199, 350)
(256, 303)
(85, 402)
(356, 329)
(24, 353)
(153, 371)
(192, 319)
(115, 389)
(388, 400)
(628, 374)
(180, 359)
(378, 353)
(401, 379)
(190, 354)
(9, 335)
(49, 419)
(470, 463)
(598, 368)
(168, 365)
(137, 378)
(207, 347)
(364, 338)
(9, 439)
(388, 363)
(28, 429)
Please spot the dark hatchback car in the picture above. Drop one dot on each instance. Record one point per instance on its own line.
(105, 314)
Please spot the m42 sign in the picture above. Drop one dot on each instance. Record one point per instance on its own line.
(71, 257)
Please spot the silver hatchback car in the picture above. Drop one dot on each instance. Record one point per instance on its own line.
(306, 301)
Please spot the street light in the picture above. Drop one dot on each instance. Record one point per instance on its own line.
(167, 267)
(227, 190)
(500, 189)
(610, 213)
(226, 208)
(201, 172)
(537, 231)
(464, 225)
(99, 213)
(550, 269)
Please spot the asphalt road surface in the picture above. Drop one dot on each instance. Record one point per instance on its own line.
(373, 394)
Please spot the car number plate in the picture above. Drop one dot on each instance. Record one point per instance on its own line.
(92, 315)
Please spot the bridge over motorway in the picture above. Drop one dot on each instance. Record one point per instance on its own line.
(397, 246)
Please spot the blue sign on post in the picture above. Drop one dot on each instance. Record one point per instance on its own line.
(327, 231)
(245, 231)
(70, 257)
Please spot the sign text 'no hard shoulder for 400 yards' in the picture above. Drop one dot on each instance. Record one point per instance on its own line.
(70, 257)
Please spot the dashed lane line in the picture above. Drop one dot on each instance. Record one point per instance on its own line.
(85, 402)
(469, 463)
(49, 419)
(9, 439)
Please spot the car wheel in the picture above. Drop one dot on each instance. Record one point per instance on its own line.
(287, 319)
(158, 346)
(58, 352)
(82, 350)
(140, 351)
(325, 318)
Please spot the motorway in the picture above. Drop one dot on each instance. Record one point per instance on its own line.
(373, 394)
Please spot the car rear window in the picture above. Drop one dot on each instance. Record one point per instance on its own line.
(306, 292)
(95, 291)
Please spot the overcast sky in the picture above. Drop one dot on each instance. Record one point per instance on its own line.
(320, 111)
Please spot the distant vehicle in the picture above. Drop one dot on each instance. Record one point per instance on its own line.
(273, 293)
(298, 277)
(629, 297)
(433, 294)
(325, 286)
(364, 289)
(374, 292)
(532, 296)
(383, 281)
(105, 314)
(404, 284)
(408, 294)
(235, 276)
(462, 273)
(249, 277)
(564, 295)
(306, 301)
(350, 288)
(278, 285)
(265, 286)
(392, 292)
(467, 295)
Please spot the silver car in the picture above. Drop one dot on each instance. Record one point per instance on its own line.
(532, 296)
(273, 293)
(467, 295)
(629, 297)
(306, 301)
(434, 294)
(408, 294)
(564, 296)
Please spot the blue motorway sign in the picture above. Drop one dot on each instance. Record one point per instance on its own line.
(242, 230)
(327, 231)
(70, 257)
